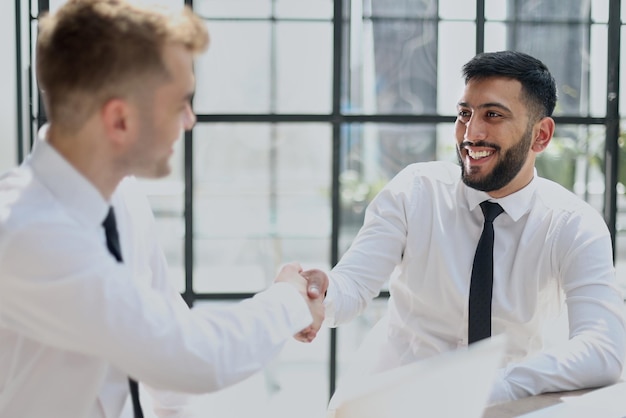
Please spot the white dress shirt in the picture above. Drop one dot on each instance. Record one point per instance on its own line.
(552, 251)
(74, 323)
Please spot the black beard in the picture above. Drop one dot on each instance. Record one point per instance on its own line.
(506, 168)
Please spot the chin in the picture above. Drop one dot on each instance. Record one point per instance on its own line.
(155, 172)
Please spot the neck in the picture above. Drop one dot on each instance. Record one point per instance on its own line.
(88, 153)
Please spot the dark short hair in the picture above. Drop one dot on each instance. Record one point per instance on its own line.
(538, 84)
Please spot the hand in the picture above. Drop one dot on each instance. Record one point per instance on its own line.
(317, 284)
(312, 285)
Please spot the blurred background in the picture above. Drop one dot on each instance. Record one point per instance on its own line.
(306, 108)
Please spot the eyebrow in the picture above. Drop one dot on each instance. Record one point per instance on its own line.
(486, 105)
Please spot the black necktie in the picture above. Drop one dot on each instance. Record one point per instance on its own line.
(113, 244)
(482, 278)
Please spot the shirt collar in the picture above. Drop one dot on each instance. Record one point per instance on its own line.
(515, 205)
(71, 189)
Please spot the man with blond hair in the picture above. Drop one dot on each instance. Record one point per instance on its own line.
(85, 306)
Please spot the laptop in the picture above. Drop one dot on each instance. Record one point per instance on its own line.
(453, 384)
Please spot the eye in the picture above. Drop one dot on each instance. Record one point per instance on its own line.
(491, 114)
(463, 115)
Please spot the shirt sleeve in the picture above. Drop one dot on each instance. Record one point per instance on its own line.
(74, 296)
(373, 255)
(140, 231)
(594, 354)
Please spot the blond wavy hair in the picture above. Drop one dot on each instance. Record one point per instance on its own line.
(90, 51)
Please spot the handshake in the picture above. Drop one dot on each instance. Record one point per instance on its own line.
(312, 284)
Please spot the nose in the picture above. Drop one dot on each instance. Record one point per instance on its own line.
(189, 118)
(475, 129)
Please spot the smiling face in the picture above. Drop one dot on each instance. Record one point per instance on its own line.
(496, 136)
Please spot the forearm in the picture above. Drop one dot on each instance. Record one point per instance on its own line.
(592, 357)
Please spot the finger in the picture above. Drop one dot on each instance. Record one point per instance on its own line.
(317, 283)
(303, 336)
(297, 266)
(313, 291)
(310, 336)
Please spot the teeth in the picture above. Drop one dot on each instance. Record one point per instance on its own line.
(479, 154)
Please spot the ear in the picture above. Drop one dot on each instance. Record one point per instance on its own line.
(117, 117)
(543, 134)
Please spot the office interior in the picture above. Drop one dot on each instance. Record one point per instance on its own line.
(306, 108)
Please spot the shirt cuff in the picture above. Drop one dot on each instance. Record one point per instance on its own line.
(297, 312)
(329, 305)
(501, 390)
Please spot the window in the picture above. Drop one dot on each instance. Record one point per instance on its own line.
(306, 108)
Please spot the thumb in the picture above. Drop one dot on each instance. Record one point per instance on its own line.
(317, 283)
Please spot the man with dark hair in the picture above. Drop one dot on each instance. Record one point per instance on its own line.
(490, 248)
(86, 308)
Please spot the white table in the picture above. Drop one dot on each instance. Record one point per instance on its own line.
(606, 402)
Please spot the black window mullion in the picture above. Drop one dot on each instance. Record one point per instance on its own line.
(480, 26)
(18, 78)
(611, 155)
(338, 31)
(188, 244)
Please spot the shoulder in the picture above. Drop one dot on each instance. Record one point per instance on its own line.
(554, 196)
(24, 201)
(433, 172)
(419, 183)
(35, 226)
(440, 171)
(563, 203)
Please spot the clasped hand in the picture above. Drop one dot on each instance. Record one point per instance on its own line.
(312, 284)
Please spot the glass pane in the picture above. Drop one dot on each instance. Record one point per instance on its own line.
(53, 6)
(392, 67)
(446, 142)
(401, 9)
(233, 76)
(304, 67)
(495, 37)
(574, 159)
(449, 79)
(295, 384)
(570, 70)
(8, 146)
(237, 74)
(169, 4)
(311, 9)
(303, 204)
(620, 240)
(496, 9)
(233, 9)
(371, 154)
(351, 336)
(455, 9)
(550, 10)
(8, 101)
(262, 198)
(167, 199)
(600, 11)
(622, 74)
(598, 71)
